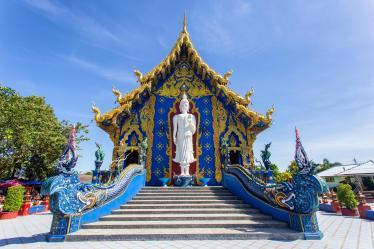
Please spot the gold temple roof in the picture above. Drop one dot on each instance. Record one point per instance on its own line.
(149, 80)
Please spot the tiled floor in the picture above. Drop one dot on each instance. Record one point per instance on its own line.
(340, 232)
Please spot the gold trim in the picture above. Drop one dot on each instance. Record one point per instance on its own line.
(123, 144)
(216, 130)
(147, 123)
(183, 75)
(251, 139)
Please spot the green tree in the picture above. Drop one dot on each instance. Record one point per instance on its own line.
(287, 175)
(346, 196)
(275, 170)
(31, 135)
(81, 131)
(292, 168)
(326, 165)
(14, 198)
(283, 177)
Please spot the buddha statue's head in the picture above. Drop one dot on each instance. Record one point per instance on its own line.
(184, 105)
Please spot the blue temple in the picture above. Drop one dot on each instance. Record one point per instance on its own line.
(142, 133)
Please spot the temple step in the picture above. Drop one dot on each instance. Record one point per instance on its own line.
(173, 194)
(184, 190)
(182, 205)
(194, 201)
(193, 188)
(187, 197)
(171, 213)
(188, 216)
(182, 210)
(185, 234)
(140, 224)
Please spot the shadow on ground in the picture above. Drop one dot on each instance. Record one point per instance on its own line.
(24, 240)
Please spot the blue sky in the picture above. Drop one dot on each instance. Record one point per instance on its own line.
(313, 60)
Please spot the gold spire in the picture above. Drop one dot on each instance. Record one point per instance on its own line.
(184, 23)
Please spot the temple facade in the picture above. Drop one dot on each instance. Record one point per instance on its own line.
(183, 126)
(221, 115)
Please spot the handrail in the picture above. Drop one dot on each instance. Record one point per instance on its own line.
(71, 199)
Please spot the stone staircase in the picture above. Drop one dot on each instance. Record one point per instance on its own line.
(173, 213)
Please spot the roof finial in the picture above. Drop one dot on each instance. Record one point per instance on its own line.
(184, 23)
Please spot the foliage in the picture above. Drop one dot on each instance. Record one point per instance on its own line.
(346, 196)
(14, 198)
(292, 168)
(31, 135)
(283, 177)
(326, 165)
(348, 180)
(81, 131)
(368, 183)
(259, 168)
(275, 169)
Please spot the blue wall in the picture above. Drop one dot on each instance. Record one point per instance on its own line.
(160, 159)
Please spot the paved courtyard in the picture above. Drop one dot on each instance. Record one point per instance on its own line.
(340, 232)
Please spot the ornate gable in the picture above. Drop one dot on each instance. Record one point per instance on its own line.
(184, 64)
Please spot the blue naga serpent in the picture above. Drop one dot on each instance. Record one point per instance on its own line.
(70, 196)
(301, 195)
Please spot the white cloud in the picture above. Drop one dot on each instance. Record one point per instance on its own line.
(83, 24)
(216, 29)
(110, 74)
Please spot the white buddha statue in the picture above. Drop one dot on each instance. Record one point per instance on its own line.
(184, 127)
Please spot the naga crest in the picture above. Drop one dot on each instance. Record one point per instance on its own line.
(99, 154)
(265, 156)
(301, 195)
(69, 157)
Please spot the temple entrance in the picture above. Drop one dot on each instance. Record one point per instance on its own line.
(132, 157)
(235, 157)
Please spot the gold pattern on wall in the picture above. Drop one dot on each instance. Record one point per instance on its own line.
(147, 124)
(234, 128)
(221, 116)
(183, 80)
(125, 143)
(251, 140)
(219, 122)
(130, 125)
(246, 147)
(241, 128)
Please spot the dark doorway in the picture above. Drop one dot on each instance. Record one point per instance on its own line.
(132, 157)
(235, 157)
